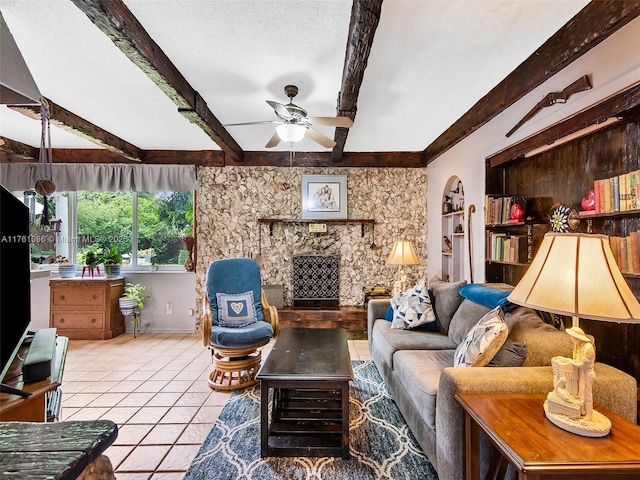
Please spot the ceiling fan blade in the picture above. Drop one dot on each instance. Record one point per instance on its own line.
(320, 138)
(273, 141)
(345, 122)
(249, 123)
(281, 110)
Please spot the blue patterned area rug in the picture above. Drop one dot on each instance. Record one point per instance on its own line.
(382, 447)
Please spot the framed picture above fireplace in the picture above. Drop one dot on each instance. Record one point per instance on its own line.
(324, 196)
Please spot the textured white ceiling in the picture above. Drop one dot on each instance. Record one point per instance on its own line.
(430, 62)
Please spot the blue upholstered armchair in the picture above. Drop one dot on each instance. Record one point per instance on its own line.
(238, 320)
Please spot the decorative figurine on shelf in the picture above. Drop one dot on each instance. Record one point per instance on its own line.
(563, 218)
(447, 242)
(446, 205)
(570, 404)
(516, 213)
(459, 229)
(589, 201)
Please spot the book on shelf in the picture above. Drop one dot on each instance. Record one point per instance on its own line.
(626, 251)
(617, 194)
(497, 209)
(504, 247)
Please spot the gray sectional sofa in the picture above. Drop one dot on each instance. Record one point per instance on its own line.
(417, 367)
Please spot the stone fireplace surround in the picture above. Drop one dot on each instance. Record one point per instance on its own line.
(230, 200)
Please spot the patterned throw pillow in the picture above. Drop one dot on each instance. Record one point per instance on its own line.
(236, 310)
(483, 341)
(412, 308)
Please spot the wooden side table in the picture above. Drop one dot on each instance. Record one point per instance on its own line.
(537, 449)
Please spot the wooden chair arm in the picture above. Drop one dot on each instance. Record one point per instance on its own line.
(271, 314)
(207, 322)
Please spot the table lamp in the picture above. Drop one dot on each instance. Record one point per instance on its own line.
(576, 274)
(402, 253)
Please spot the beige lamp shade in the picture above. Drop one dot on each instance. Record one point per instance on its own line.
(403, 253)
(576, 274)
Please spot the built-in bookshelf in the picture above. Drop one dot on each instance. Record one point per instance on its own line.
(607, 161)
(453, 231)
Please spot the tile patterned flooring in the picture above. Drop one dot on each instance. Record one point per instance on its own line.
(154, 387)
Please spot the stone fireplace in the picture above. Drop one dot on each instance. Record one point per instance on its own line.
(316, 281)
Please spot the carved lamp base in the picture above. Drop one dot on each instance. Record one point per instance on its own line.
(598, 426)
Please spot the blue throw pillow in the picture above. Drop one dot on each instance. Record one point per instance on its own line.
(487, 296)
(388, 315)
(236, 310)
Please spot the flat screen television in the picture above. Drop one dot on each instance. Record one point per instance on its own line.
(15, 278)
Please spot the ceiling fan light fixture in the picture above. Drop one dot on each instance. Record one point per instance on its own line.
(291, 132)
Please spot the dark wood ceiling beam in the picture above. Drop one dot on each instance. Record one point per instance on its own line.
(593, 24)
(71, 122)
(16, 152)
(365, 16)
(12, 151)
(115, 20)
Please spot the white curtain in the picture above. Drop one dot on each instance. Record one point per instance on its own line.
(103, 177)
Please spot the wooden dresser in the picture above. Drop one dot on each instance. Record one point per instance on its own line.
(86, 308)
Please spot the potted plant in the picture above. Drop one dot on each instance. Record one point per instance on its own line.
(132, 302)
(66, 269)
(112, 260)
(91, 260)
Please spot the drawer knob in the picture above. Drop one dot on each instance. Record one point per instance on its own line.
(93, 320)
(61, 297)
(95, 296)
(62, 320)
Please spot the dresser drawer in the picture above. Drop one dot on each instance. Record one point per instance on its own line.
(84, 320)
(71, 297)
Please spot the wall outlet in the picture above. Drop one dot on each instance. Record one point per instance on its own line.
(190, 312)
(169, 309)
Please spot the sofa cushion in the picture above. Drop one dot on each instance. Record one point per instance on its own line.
(418, 371)
(483, 341)
(543, 341)
(412, 308)
(466, 316)
(389, 340)
(511, 354)
(445, 300)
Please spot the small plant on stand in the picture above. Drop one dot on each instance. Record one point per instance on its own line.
(132, 302)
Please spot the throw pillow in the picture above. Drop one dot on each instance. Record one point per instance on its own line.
(236, 310)
(483, 341)
(487, 296)
(445, 300)
(412, 308)
(511, 354)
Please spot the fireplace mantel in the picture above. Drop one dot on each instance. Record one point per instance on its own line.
(361, 221)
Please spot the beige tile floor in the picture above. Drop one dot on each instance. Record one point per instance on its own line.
(154, 387)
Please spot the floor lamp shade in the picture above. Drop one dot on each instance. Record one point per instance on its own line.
(577, 275)
(403, 253)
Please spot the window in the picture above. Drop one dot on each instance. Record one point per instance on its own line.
(151, 224)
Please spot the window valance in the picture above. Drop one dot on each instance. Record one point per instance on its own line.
(104, 177)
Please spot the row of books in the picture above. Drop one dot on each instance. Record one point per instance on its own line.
(497, 210)
(626, 250)
(504, 247)
(617, 194)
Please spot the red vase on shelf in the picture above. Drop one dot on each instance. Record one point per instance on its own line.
(516, 214)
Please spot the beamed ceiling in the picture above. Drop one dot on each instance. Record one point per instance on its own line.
(157, 81)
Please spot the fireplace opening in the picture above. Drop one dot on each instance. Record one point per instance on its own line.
(316, 281)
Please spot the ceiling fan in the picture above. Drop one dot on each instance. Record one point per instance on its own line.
(294, 124)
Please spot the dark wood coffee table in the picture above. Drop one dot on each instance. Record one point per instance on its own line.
(309, 371)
